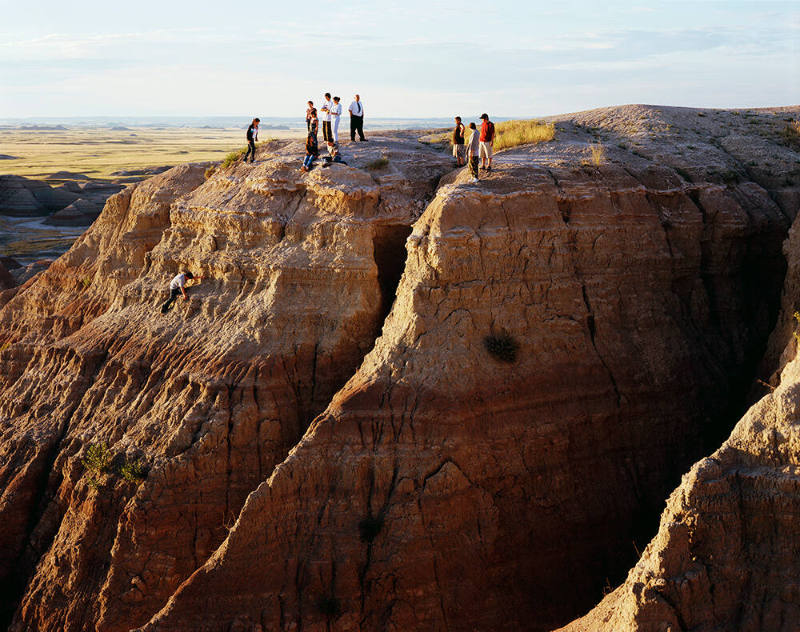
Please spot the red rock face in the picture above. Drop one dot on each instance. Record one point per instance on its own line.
(446, 489)
(210, 397)
(561, 344)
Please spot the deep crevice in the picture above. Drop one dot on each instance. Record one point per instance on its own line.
(389, 251)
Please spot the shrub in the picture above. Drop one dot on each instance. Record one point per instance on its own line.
(5, 346)
(597, 154)
(791, 133)
(86, 282)
(133, 471)
(210, 171)
(378, 163)
(515, 133)
(97, 458)
(233, 157)
(370, 527)
(502, 347)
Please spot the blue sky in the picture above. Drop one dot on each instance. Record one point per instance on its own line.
(415, 58)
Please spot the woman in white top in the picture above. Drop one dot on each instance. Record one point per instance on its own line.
(336, 113)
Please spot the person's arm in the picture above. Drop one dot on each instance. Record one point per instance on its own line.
(185, 298)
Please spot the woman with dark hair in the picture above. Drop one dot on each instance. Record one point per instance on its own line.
(312, 148)
(252, 137)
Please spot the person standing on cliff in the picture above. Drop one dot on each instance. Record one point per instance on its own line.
(487, 141)
(356, 110)
(252, 137)
(327, 136)
(176, 287)
(473, 151)
(458, 142)
(336, 113)
(312, 148)
(308, 114)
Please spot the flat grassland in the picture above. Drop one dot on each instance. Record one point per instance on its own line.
(100, 152)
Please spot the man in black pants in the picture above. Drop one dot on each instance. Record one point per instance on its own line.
(176, 289)
(327, 133)
(357, 119)
(252, 137)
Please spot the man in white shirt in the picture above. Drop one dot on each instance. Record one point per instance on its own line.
(336, 113)
(325, 110)
(356, 110)
(176, 288)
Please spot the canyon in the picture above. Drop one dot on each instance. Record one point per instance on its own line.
(401, 400)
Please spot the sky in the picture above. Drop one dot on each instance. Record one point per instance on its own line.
(409, 59)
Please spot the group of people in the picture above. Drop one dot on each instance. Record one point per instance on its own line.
(478, 147)
(331, 116)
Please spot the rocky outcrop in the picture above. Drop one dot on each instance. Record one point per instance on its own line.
(565, 340)
(725, 557)
(22, 196)
(209, 398)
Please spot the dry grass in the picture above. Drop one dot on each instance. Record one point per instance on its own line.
(99, 152)
(378, 164)
(791, 133)
(515, 133)
(597, 154)
(507, 134)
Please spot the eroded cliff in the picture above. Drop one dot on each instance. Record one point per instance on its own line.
(443, 486)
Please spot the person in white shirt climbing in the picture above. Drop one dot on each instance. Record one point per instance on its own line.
(176, 287)
(356, 110)
(336, 113)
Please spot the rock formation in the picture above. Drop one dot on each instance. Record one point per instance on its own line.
(565, 340)
(725, 556)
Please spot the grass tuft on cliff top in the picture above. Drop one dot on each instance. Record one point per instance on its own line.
(507, 134)
(515, 133)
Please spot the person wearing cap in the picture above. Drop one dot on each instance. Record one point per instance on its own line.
(356, 110)
(458, 142)
(487, 140)
(176, 288)
(336, 113)
(473, 151)
(327, 136)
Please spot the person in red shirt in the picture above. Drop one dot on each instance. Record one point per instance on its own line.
(487, 140)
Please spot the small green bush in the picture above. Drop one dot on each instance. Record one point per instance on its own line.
(133, 471)
(378, 163)
(791, 133)
(502, 347)
(97, 458)
(210, 171)
(370, 527)
(233, 157)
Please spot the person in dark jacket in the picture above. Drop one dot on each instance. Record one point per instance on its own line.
(252, 137)
(312, 148)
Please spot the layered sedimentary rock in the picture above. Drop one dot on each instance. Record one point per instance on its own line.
(208, 397)
(726, 554)
(446, 489)
(563, 342)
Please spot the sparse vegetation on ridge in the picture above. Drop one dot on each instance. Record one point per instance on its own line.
(378, 164)
(515, 133)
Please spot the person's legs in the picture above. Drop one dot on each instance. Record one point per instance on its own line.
(489, 151)
(336, 130)
(353, 127)
(173, 294)
(326, 131)
(360, 127)
(251, 151)
(483, 154)
(473, 166)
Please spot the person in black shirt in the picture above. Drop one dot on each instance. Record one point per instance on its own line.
(252, 137)
(458, 142)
